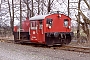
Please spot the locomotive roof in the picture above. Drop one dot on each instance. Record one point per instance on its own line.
(38, 17)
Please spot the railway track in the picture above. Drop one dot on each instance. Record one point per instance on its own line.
(66, 48)
(74, 48)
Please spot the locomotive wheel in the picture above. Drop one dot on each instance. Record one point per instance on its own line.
(22, 43)
(50, 42)
(16, 42)
(68, 39)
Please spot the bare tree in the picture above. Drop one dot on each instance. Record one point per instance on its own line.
(87, 4)
(32, 9)
(10, 13)
(12, 18)
(38, 7)
(20, 15)
(0, 5)
(29, 12)
(78, 28)
(49, 5)
(85, 24)
(42, 6)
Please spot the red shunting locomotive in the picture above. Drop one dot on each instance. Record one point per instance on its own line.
(51, 29)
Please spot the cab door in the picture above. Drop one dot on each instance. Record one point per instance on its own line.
(36, 31)
(40, 32)
(33, 31)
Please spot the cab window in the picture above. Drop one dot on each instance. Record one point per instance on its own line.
(40, 24)
(49, 21)
(33, 25)
(66, 22)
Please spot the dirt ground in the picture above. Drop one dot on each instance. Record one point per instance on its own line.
(74, 43)
(11, 51)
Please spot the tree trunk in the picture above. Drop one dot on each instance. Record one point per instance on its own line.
(38, 7)
(32, 8)
(49, 6)
(28, 12)
(10, 14)
(78, 28)
(88, 38)
(87, 3)
(12, 18)
(42, 6)
(20, 15)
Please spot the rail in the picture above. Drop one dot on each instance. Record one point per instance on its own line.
(74, 48)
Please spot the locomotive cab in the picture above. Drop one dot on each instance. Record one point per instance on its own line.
(51, 29)
(57, 29)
